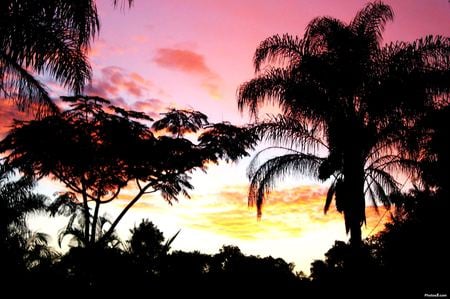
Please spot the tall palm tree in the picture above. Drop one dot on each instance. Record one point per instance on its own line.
(48, 37)
(346, 100)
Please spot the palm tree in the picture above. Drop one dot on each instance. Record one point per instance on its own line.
(46, 38)
(17, 200)
(346, 100)
(20, 248)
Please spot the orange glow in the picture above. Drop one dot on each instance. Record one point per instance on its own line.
(9, 113)
(288, 213)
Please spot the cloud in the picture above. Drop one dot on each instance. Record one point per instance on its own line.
(153, 107)
(190, 62)
(182, 60)
(115, 83)
(8, 113)
(287, 213)
(115, 80)
(290, 213)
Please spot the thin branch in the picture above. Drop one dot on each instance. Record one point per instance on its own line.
(124, 211)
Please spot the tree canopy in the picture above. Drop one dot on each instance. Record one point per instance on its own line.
(48, 37)
(347, 103)
(97, 149)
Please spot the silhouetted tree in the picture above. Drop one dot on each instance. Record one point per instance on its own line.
(21, 250)
(346, 104)
(96, 150)
(147, 247)
(253, 275)
(412, 250)
(431, 138)
(45, 37)
(406, 259)
(330, 277)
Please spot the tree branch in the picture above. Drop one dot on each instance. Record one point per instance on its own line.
(125, 210)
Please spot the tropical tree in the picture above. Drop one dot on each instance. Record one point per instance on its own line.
(96, 150)
(21, 250)
(47, 38)
(430, 137)
(17, 200)
(346, 103)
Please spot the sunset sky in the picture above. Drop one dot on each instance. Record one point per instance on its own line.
(194, 54)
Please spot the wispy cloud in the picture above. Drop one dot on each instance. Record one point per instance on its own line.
(116, 84)
(189, 62)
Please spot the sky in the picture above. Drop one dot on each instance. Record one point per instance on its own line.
(195, 54)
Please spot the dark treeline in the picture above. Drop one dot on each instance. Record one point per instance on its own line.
(408, 258)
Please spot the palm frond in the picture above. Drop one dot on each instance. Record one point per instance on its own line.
(369, 22)
(65, 204)
(322, 33)
(330, 194)
(369, 191)
(382, 182)
(77, 237)
(17, 84)
(292, 132)
(266, 88)
(168, 243)
(123, 3)
(64, 60)
(255, 162)
(265, 178)
(278, 49)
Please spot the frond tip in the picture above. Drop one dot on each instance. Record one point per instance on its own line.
(281, 49)
(266, 176)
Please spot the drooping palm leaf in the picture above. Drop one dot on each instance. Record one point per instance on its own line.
(266, 176)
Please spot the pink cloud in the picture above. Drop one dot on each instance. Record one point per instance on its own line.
(153, 107)
(115, 80)
(188, 61)
(182, 60)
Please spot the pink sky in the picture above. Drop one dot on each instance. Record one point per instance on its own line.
(195, 54)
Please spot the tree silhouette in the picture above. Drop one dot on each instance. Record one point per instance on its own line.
(48, 38)
(430, 137)
(412, 245)
(147, 247)
(17, 199)
(330, 277)
(346, 104)
(97, 149)
(21, 250)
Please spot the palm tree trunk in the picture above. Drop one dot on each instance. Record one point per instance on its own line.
(354, 212)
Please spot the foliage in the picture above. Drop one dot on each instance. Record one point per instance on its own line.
(22, 252)
(407, 258)
(347, 106)
(48, 37)
(97, 149)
